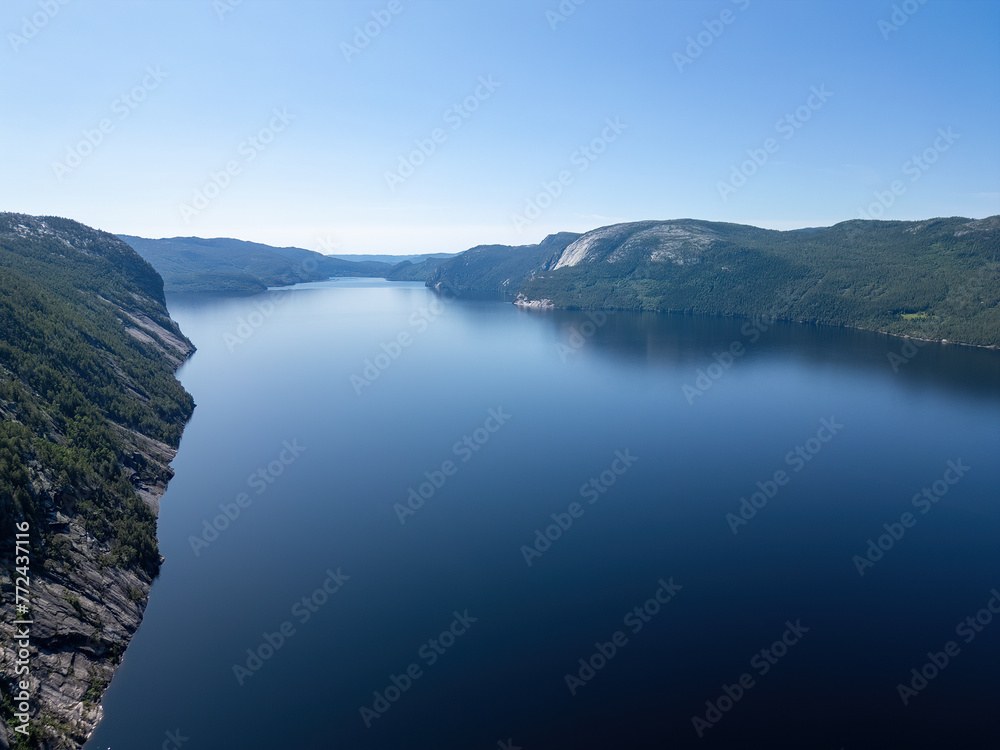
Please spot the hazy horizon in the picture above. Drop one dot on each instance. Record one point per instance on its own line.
(528, 241)
(392, 127)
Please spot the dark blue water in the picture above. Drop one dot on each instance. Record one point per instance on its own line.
(612, 454)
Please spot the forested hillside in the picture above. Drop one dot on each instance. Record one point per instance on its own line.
(499, 268)
(91, 417)
(193, 264)
(936, 279)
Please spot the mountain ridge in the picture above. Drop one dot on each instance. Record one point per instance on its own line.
(224, 264)
(936, 279)
(90, 417)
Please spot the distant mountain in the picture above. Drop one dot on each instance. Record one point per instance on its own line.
(410, 271)
(90, 418)
(193, 264)
(934, 279)
(499, 268)
(394, 259)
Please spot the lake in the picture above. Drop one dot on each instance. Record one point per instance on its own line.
(406, 521)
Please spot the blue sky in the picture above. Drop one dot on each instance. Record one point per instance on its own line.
(460, 123)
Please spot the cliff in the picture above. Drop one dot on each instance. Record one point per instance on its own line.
(91, 418)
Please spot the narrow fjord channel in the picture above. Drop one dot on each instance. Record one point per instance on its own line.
(400, 521)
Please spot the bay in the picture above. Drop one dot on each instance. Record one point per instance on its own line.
(612, 452)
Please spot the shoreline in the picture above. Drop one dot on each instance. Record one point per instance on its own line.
(85, 612)
(547, 304)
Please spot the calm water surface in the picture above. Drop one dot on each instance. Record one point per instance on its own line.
(307, 593)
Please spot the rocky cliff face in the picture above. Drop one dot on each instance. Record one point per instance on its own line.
(498, 268)
(87, 593)
(679, 242)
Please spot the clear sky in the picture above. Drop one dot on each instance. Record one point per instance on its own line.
(435, 125)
